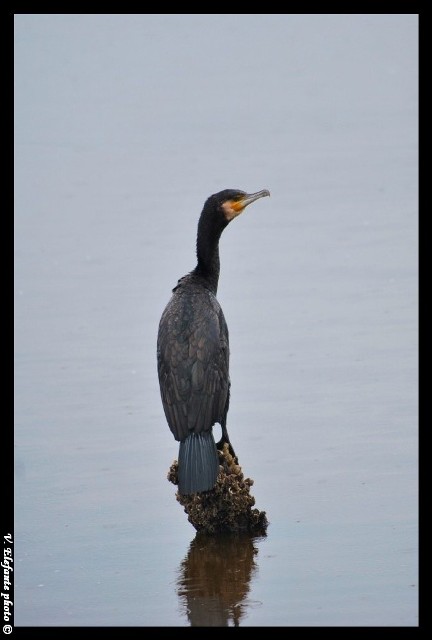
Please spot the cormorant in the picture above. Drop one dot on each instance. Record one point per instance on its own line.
(193, 350)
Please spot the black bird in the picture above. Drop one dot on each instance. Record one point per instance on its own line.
(193, 350)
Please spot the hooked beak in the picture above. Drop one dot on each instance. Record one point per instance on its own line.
(232, 208)
(251, 197)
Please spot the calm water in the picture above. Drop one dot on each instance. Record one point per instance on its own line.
(124, 124)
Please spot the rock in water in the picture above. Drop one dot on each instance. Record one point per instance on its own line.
(228, 507)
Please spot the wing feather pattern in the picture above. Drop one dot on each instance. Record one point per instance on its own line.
(193, 361)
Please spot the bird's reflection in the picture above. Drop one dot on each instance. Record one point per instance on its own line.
(214, 579)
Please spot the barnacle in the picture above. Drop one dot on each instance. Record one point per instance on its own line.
(228, 506)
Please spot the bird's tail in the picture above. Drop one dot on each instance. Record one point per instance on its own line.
(198, 463)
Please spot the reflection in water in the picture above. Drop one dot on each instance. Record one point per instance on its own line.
(214, 579)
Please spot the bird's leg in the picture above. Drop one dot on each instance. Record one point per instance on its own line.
(225, 439)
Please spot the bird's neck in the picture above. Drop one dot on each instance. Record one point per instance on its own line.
(208, 265)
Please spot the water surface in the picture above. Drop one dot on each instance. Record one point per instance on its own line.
(124, 124)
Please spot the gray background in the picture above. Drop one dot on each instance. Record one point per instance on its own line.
(124, 124)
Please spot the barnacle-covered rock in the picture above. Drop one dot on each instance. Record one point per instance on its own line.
(228, 507)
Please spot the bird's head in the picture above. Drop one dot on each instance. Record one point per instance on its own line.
(231, 202)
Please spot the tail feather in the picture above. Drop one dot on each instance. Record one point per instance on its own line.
(198, 463)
